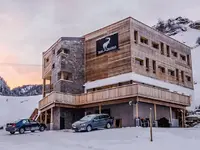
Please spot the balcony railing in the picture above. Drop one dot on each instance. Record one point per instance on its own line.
(117, 93)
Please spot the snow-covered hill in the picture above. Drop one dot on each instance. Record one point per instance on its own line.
(13, 108)
(187, 32)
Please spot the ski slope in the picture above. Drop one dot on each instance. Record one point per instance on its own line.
(13, 108)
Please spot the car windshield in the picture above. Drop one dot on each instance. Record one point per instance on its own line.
(88, 118)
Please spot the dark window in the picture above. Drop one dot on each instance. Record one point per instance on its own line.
(59, 51)
(162, 51)
(182, 76)
(171, 72)
(144, 40)
(136, 36)
(139, 61)
(174, 53)
(162, 69)
(155, 45)
(147, 64)
(53, 66)
(59, 76)
(183, 57)
(67, 76)
(168, 51)
(154, 66)
(177, 74)
(53, 52)
(66, 51)
(188, 78)
(188, 60)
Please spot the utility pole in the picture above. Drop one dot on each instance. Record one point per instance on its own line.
(150, 118)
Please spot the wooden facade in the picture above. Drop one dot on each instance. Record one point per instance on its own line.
(115, 94)
(111, 63)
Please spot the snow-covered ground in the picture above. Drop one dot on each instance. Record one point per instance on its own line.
(14, 108)
(113, 139)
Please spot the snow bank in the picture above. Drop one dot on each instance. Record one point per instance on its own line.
(13, 108)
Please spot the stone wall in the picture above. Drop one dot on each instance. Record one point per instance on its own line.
(70, 62)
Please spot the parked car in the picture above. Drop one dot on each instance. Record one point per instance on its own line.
(24, 125)
(93, 121)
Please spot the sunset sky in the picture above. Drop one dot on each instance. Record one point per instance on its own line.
(29, 27)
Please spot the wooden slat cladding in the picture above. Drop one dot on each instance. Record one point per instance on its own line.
(163, 55)
(111, 63)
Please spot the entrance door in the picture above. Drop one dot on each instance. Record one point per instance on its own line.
(62, 123)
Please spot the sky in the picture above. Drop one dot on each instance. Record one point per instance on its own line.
(29, 27)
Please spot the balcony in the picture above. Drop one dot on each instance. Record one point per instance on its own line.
(115, 94)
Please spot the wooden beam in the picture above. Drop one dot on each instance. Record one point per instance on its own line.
(136, 110)
(45, 117)
(155, 112)
(51, 115)
(99, 109)
(170, 114)
(41, 120)
(44, 88)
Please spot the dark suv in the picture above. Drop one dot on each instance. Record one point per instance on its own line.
(93, 121)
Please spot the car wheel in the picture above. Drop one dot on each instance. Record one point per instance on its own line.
(12, 132)
(33, 131)
(42, 128)
(21, 130)
(108, 125)
(89, 128)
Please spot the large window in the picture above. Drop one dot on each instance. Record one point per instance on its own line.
(174, 54)
(171, 72)
(147, 64)
(139, 61)
(144, 40)
(154, 66)
(136, 36)
(183, 57)
(162, 69)
(155, 45)
(162, 51)
(168, 51)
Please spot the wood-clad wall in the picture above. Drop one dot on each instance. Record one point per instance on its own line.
(111, 63)
(142, 51)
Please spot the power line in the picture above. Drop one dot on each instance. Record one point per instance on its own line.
(17, 64)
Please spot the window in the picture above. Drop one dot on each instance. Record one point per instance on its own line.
(182, 76)
(144, 40)
(67, 76)
(183, 57)
(162, 51)
(171, 72)
(66, 51)
(174, 53)
(162, 69)
(53, 52)
(188, 78)
(155, 45)
(177, 74)
(154, 66)
(139, 61)
(147, 64)
(188, 60)
(136, 36)
(168, 51)
(53, 66)
(59, 51)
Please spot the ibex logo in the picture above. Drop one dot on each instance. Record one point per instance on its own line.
(107, 44)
